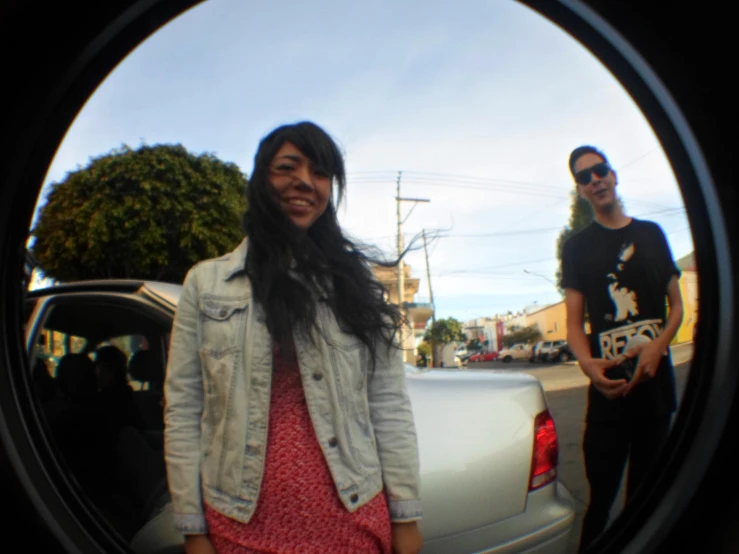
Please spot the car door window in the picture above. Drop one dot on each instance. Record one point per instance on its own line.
(52, 345)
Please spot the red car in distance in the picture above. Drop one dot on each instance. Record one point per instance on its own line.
(484, 356)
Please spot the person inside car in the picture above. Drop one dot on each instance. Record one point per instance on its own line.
(288, 425)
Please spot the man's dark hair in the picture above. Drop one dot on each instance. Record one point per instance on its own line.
(580, 151)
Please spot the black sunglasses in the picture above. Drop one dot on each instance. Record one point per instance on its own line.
(585, 176)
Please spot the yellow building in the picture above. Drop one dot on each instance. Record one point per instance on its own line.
(689, 290)
(418, 313)
(551, 321)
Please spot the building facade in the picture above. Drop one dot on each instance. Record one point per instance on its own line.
(417, 313)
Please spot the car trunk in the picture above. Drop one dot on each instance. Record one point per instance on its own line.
(475, 434)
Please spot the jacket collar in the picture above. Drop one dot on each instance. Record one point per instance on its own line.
(236, 260)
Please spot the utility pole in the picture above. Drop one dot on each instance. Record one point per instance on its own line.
(431, 299)
(401, 263)
(428, 277)
(401, 274)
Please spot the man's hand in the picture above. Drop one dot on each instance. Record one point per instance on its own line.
(595, 368)
(650, 356)
(406, 538)
(198, 544)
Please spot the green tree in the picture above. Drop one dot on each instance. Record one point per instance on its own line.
(581, 215)
(445, 331)
(524, 335)
(424, 348)
(149, 213)
(474, 344)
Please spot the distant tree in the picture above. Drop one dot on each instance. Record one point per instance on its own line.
(474, 344)
(445, 331)
(581, 215)
(526, 335)
(424, 349)
(149, 213)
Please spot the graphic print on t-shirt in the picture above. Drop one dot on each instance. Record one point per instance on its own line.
(624, 300)
(613, 342)
(626, 306)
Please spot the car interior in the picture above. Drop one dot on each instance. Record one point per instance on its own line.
(98, 368)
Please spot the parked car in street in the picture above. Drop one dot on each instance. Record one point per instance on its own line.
(515, 352)
(488, 444)
(535, 351)
(545, 350)
(561, 352)
(484, 356)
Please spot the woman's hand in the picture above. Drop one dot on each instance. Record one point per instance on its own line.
(198, 544)
(406, 538)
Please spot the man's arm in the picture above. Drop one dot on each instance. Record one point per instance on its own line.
(576, 337)
(675, 315)
(671, 274)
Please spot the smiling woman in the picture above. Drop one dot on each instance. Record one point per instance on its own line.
(84, 43)
(290, 328)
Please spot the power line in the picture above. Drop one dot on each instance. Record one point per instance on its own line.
(541, 192)
(632, 162)
(512, 264)
(512, 277)
(680, 230)
(470, 178)
(667, 212)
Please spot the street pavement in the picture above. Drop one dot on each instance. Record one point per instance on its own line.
(566, 390)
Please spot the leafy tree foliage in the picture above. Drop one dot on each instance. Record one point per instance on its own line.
(149, 213)
(445, 331)
(525, 335)
(581, 215)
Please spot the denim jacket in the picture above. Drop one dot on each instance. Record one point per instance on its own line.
(217, 392)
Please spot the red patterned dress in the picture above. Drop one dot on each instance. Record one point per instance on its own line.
(299, 510)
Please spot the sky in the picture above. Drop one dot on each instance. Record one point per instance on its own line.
(477, 103)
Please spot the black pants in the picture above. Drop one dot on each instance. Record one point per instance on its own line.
(607, 447)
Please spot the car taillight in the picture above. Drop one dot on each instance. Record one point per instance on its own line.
(546, 452)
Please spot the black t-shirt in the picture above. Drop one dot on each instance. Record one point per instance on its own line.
(623, 275)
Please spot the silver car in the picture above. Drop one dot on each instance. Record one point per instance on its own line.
(488, 445)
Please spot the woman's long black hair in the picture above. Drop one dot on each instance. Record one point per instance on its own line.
(291, 270)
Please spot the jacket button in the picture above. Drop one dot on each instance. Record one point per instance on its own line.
(354, 497)
(222, 312)
(332, 441)
(317, 376)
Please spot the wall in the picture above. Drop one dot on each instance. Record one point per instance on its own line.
(551, 321)
(689, 291)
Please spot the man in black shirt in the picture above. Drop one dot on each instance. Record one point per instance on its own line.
(619, 269)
